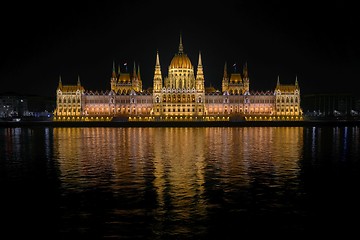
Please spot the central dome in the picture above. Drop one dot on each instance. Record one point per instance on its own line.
(181, 60)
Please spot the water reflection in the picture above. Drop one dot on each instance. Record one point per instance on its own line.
(28, 182)
(335, 143)
(179, 183)
(330, 173)
(165, 181)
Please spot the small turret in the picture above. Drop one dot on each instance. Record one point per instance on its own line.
(246, 78)
(157, 75)
(60, 83)
(296, 83)
(225, 81)
(78, 81)
(200, 75)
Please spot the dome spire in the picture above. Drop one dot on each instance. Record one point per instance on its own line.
(181, 48)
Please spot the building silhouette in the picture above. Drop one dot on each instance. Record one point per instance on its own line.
(179, 96)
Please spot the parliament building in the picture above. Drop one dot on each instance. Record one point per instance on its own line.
(179, 96)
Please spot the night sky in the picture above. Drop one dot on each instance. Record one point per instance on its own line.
(317, 43)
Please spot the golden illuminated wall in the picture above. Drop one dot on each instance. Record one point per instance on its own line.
(240, 104)
(260, 104)
(69, 101)
(288, 104)
(96, 104)
(117, 105)
(74, 103)
(287, 100)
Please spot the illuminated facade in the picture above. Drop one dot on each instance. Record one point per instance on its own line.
(180, 96)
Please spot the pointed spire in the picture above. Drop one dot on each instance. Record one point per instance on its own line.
(278, 81)
(78, 81)
(200, 73)
(296, 82)
(134, 70)
(138, 72)
(181, 48)
(225, 80)
(199, 62)
(113, 75)
(225, 71)
(157, 66)
(157, 74)
(60, 82)
(157, 58)
(245, 71)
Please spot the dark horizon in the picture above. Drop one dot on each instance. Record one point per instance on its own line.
(317, 44)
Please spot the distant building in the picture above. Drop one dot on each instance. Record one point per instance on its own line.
(13, 105)
(179, 96)
(331, 105)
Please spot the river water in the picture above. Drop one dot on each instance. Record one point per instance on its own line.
(179, 183)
